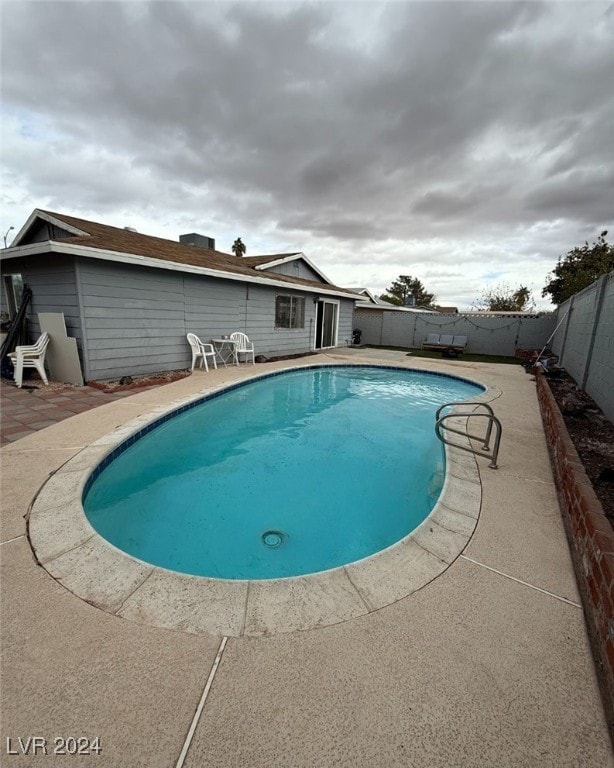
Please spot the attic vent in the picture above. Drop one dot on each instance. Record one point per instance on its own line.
(193, 238)
(130, 229)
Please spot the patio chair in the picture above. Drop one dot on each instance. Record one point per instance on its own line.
(202, 350)
(460, 343)
(431, 341)
(32, 356)
(243, 346)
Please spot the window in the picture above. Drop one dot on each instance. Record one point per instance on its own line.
(289, 312)
(13, 290)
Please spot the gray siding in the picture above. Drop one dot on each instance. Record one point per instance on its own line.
(298, 268)
(261, 323)
(346, 322)
(218, 307)
(214, 307)
(136, 318)
(54, 289)
(133, 320)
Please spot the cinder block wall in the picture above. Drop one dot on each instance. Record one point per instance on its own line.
(584, 341)
(485, 335)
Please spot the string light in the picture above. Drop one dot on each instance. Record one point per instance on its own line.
(468, 320)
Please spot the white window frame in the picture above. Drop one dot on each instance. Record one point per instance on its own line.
(326, 300)
(293, 298)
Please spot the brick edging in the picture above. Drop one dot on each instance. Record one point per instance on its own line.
(591, 541)
(109, 389)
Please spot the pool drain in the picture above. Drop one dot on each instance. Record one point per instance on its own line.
(272, 538)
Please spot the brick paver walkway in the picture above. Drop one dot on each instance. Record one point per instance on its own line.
(24, 411)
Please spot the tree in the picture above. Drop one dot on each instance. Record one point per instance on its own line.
(580, 267)
(503, 298)
(238, 247)
(405, 286)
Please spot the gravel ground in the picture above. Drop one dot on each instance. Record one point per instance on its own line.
(592, 434)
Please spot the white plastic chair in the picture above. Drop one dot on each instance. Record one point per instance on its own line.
(243, 346)
(202, 350)
(32, 356)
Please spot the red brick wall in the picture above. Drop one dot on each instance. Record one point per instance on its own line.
(591, 540)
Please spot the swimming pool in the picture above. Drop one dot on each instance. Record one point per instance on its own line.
(291, 474)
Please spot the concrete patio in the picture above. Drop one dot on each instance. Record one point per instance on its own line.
(487, 665)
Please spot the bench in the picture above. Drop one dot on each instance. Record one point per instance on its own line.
(445, 342)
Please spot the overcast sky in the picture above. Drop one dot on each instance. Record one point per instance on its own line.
(467, 144)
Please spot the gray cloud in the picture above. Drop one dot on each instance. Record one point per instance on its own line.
(393, 134)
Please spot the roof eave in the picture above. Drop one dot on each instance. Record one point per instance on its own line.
(71, 249)
(37, 213)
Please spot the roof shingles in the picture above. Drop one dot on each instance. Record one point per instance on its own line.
(105, 237)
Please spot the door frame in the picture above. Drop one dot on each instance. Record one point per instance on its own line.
(320, 309)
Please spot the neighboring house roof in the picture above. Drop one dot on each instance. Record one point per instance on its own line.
(370, 296)
(89, 238)
(385, 306)
(376, 303)
(446, 310)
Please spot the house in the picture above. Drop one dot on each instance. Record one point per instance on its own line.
(445, 310)
(370, 301)
(369, 297)
(129, 299)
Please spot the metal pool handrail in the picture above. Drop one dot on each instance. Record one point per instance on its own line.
(492, 420)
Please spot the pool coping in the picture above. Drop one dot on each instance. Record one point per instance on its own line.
(77, 557)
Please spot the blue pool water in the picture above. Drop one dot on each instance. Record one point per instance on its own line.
(291, 474)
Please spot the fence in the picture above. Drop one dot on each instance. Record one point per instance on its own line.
(488, 335)
(584, 341)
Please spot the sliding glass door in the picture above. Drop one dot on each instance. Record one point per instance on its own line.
(327, 321)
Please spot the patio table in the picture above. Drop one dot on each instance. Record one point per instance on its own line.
(226, 351)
